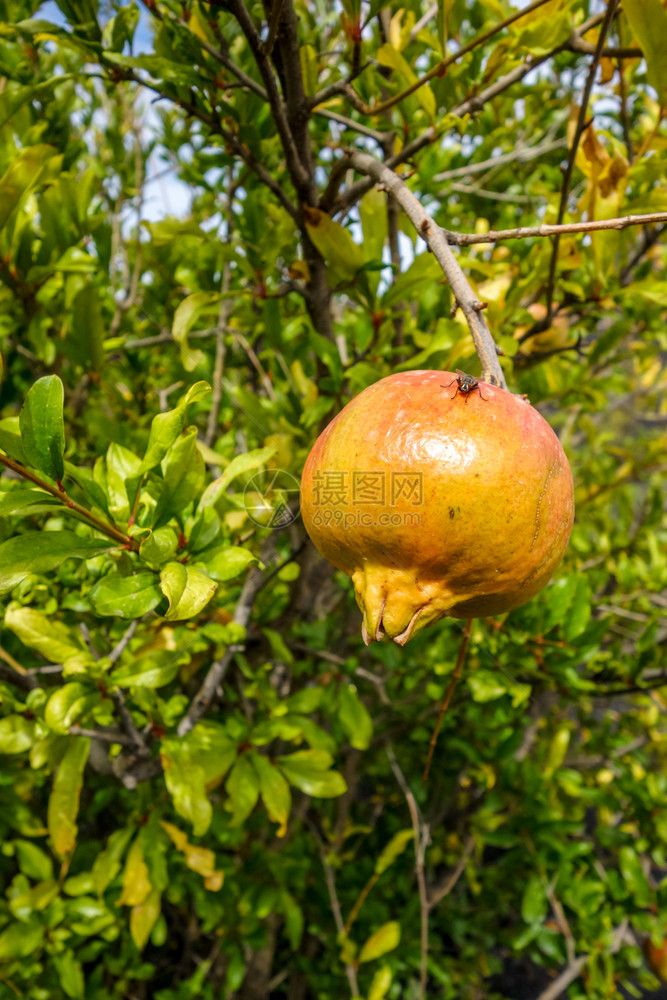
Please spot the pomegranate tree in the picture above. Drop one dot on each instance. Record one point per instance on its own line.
(438, 496)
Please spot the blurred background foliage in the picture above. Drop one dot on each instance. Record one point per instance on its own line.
(273, 837)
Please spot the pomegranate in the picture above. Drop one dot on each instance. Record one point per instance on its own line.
(438, 496)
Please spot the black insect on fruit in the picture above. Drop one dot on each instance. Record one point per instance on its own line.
(465, 384)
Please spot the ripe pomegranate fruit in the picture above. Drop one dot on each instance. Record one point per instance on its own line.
(438, 501)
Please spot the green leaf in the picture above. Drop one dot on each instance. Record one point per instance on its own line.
(66, 704)
(247, 462)
(648, 21)
(380, 984)
(187, 314)
(107, 864)
(354, 717)
(84, 343)
(634, 875)
(394, 848)
(64, 799)
(335, 243)
(308, 771)
(125, 596)
(186, 784)
(21, 940)
(13, 98)
(166, 427)
(42, 426)
(39, 552)
(274, 790)
(16, 734)
(227, 562)
(159, 546)
(385, 939)
(123, 478)
(187, 589)
(28, 502)
(534, 904)
(243, 789)
(33, 861)
(485, 686)
(10, 439)
(54, 640)
(144, 917)
(30, 167)
(70, 974)
(184, 474)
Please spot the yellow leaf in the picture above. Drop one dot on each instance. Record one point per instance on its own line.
(136, 880)
(385, 939)
(198, 859)
(143, 918)
(334, 243)
(64, 799)
(648, 21)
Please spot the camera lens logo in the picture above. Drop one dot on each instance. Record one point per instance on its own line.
(271, 499)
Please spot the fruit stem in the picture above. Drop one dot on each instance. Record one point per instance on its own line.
(444, 704)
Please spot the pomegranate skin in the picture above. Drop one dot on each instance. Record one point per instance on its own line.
(437, 502)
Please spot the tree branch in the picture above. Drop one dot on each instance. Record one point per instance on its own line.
(441, 68)
(581, 123)
(104, 527)
(297, 170)
(437, 243)
(524, 232)
(218, 669)
(422, 838)
(558, 987)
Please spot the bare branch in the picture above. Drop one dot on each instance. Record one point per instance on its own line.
(581, 124)
(274, 21)
(444, 890)
(103, 735)
(134, 736)
(437, 243)
(441, 68)
(524, 232)
(218, 669)
(301, 180)
(522, 154)
(125, 639)
(422, 838)
(558, 987)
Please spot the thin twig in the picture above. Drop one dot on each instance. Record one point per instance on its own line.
(526, 232)
(274, 22)
(422, 838)
(444, 890)
(103, 735)
(14, 664)
(433, 235)
(218, 669)
(95, 522)
(330, 878)
(442, 66)
(574, 968)
(522, 154)
(581, 124)
(223, 316)
(23, 681)
(133, 733)
(562, 921)
(444, 704)
(122, 645)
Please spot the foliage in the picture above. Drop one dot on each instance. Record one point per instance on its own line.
(210, 787)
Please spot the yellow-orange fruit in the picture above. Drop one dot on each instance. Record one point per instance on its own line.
(438, 502)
